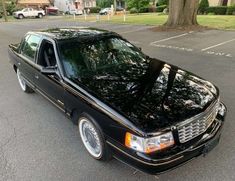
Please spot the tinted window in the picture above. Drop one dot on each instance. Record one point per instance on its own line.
(99, 56)
(30, 46)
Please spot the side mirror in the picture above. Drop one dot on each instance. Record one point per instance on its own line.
(49, 70)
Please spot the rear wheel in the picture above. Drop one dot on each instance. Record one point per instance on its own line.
(23, 84)
(93, 139)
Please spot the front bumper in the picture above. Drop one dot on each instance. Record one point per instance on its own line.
(147, 164)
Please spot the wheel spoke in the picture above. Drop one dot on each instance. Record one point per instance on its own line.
(90, 138)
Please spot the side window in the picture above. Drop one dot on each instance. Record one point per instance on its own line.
(23, 42)
(29, 48)
(46, 56)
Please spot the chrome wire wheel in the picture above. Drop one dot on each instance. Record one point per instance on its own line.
(21, 81)
(90, 138)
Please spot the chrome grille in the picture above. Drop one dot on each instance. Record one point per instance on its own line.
(196, 126)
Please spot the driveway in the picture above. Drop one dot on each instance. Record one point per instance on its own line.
(37, 142)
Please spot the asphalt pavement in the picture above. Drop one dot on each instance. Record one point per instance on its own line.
(37, 142)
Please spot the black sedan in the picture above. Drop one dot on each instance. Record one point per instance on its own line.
(142, 111)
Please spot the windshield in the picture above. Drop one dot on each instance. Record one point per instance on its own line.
(99, 57)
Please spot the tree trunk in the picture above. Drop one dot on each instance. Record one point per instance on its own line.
(4, 10)
(114, 6)
(182, 13)
(154, 2)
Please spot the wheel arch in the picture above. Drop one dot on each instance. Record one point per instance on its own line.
(15, 68)
(21, 14)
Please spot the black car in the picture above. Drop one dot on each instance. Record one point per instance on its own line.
(143, 111)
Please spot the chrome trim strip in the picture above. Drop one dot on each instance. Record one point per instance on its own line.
(198, 116)
(60, 102)
(28, 83)
(147, 163)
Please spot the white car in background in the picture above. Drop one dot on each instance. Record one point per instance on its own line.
(76, 12)
(105, 11)
(29, 12)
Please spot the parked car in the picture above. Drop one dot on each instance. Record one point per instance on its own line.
(105, 11)
(52, 10)
(143, 111)
(119, 9)
(75, 11)
(29, 12)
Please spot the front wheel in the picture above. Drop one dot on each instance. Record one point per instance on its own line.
(40, 15)
(20, 16)
(22, 83)
(92, 139)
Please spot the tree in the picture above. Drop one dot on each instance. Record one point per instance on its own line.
(104, 3)
(203, 5)
(137, 3)
(182, 13)
(162, 2)
(4, 10)
(154, 2)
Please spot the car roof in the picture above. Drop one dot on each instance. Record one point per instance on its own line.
(73, 33)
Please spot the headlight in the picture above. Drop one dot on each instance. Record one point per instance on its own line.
(148, 145)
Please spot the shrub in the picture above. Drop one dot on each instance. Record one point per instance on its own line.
(152, 9)
(161, 8)
(104, 3)
(11, 7)
(218, 10)
(204, 4)
(211, 14)
(144, 10)
(137, 3)
(133, 10)
(231, 10)
(162, 2)
(94, 9)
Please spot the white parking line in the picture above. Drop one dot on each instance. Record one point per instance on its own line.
(170, 38)
(213, 46)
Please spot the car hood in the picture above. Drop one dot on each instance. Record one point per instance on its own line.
(153, 95)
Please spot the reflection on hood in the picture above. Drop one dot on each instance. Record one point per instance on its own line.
(152, 95)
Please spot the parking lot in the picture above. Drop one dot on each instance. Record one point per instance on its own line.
(37, 142)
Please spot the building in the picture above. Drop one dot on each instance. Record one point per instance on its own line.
(67, 5)
(34, 3)
(221, 2)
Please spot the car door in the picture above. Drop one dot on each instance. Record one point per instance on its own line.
(47, 83)
(26, 60)
(26, 12)
(33, 12)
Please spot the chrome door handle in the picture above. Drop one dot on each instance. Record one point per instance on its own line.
(36, 76)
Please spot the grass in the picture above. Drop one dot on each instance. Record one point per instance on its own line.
(213, 21)
(217, 21)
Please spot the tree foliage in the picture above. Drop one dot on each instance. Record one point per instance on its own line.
(162, 2)
(104, 3)
(137, 3)
(204, 4)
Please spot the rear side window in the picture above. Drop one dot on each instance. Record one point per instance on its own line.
(30, 45)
